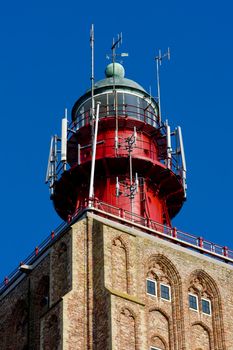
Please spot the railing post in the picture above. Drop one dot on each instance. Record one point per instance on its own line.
(96, 202)
(69, 219)
(225, 251)
(200, 242)
(148, 224)
(174, 232)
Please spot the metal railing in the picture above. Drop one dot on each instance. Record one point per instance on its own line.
(123, 110)
(130, 219)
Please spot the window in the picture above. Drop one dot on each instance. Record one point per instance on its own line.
(151, 287)
(165, 292)
(205, 306)
(193, 302)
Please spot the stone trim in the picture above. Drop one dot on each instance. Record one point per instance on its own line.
(125, 296)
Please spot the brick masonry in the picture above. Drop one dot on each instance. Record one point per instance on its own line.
(89, 292)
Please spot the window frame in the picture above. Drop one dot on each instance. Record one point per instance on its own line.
(156, 286)
(197, 302)
(208, 300)
(169, 288)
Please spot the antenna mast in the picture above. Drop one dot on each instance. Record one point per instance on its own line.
(113, 48)
(92, 71)
(116, 44)
(159, 59)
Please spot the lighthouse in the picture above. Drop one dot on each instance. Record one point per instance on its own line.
(115, 275)
(117, 153)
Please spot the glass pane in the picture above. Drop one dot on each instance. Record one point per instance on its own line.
(111, 104)
(205, 306)
(165, 292)
(193, 302)
(131, 105)
(103, 106)
(150, 287)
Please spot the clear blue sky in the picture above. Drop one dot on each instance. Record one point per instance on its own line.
(45, 66)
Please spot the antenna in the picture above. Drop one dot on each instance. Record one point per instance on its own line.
(116, 44)
(49, 168)
(64, 140)
(136, 182)
(159, 59)
(91, 189)
(117, 187)
(92, 70)
(51, 174)
(169, 146)
(182, 155)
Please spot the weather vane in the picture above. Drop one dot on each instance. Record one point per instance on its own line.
(115, 44)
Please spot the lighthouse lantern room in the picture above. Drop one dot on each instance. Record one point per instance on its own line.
(117, 151)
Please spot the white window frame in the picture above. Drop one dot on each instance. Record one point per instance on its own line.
(209, 305)
(194, 295)
(169, 287)
(155, 282)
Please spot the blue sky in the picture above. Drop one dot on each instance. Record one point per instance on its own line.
(45, 67)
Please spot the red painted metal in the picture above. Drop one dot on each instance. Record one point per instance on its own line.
(124, 109)
(160, 194)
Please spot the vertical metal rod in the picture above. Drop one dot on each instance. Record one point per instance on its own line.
(158, 85)
(55, 157)
(92, 71)
(169, 148)
(92, 112)
(64, 140)
(182, 155)
(115, 94)
(79, 160)
(117, 187)
(131, 182)
(91, 189)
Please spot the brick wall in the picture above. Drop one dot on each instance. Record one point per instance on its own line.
(89, 292)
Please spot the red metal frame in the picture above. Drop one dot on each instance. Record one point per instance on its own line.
(164, 192)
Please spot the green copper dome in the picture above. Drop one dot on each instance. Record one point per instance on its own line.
(115, 75)
(115, 69)
(127, 89)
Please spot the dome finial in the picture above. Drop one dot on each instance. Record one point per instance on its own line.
(114, 69)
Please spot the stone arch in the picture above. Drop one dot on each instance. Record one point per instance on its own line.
(127, 334)
(161, 323)
(19, 326)
(51, 333)
(205, 285)
(158, 342)
(120, 265)
(201, 337)
(166, 270)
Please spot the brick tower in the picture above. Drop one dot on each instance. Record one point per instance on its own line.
(116, 275)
